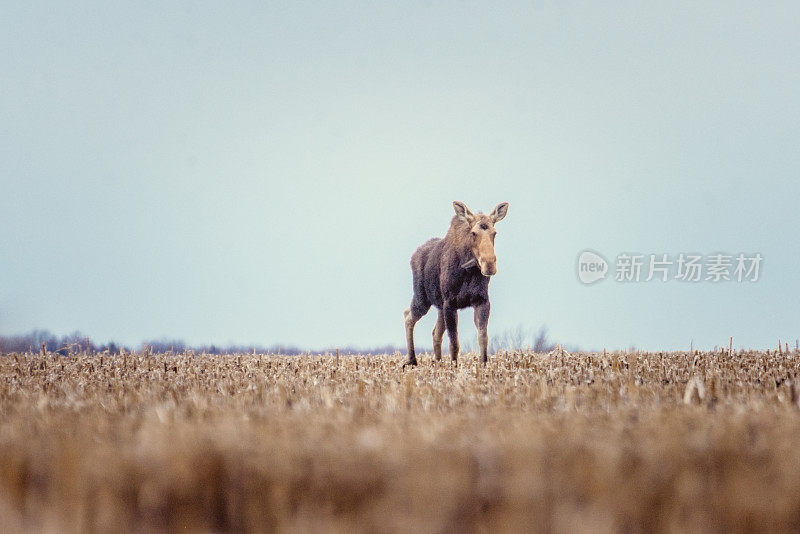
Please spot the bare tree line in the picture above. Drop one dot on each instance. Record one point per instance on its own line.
(518, 337)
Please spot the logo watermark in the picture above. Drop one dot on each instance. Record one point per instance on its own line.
(592, 267)
(684, 267)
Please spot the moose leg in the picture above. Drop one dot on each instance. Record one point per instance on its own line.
(438, 334)
(482, 324)
(451, 323)
(412, 315)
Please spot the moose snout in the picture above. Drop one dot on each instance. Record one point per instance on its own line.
(489, 266)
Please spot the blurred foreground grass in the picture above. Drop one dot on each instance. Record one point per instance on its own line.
(535, 442)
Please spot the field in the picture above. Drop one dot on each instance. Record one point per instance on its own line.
(630, 441)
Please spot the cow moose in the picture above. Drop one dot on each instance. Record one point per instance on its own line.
(452, 273)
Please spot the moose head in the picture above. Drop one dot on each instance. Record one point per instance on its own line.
(481, 235)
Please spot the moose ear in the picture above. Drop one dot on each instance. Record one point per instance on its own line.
(499, 213)
(463, 212)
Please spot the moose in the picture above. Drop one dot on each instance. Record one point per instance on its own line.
(453, 273)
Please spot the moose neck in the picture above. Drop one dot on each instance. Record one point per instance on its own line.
(458, 237)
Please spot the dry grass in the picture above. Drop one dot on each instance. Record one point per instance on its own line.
(553, 443)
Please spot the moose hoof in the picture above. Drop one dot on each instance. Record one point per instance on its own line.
(410, 363)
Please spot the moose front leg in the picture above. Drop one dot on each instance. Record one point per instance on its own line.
(482, 324)
(451, 323)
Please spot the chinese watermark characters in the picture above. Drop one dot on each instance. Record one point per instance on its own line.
(692, 268)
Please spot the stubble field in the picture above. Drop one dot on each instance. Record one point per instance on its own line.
(634, 442)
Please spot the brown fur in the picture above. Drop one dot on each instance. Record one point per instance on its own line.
(453, 273)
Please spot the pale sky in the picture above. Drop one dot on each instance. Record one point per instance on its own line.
(228, 172)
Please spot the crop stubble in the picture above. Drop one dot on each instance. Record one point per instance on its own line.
(556, 442)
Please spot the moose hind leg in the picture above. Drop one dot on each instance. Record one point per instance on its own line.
(411, 315)
(451, 323)
(438, 334)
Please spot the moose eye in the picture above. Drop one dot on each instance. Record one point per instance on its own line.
(484, 226)
(474, 233)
